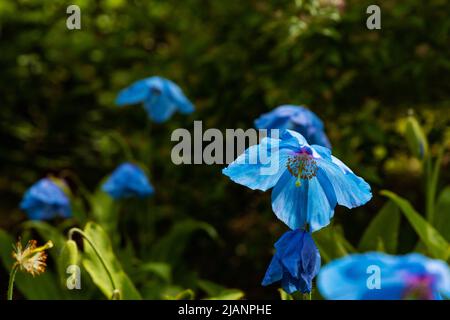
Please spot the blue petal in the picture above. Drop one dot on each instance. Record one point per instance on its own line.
(289, 202)
(351, 191)
(291, 255)
(45, 200)
(310, 259)
(126, 181)
(159, 107)
(274, 272)
(176, 94)
(135, 93)
(321, 202)
(260, 166)
(291, 284)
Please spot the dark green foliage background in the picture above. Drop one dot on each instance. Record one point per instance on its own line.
(235, 60)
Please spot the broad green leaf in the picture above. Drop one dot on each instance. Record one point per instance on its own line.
(436, 244)
(161, 269)
(382, 232)
(332, 243)
(442, 215)
(96, 269)
(171, 246)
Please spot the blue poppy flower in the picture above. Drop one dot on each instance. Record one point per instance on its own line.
(161, 98)
(296, 118)
(45, 200)
(308, 182)
(295, 263)
(411, 276)
(128, 180)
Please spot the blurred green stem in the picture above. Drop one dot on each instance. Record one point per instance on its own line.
(432, 176)
(12, 277)
(88, 240)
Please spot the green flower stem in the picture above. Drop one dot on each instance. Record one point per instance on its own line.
(12, 277)
(108, 272)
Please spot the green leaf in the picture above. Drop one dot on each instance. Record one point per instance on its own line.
(96, 270)
(187, 294)
(170, 248)
(442, 215)
(284, 295)
(104, 210)
(382, 232)
(161, 269)
(228, 294)
(218, 292)
(435, 243)
(332, 243)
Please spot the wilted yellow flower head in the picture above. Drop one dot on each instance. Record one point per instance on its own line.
(32, 258)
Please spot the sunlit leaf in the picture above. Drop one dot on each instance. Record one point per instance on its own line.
(433, 240)
(382, 232)
(96, 269)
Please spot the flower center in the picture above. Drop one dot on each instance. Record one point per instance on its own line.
(419, 288)
(302, 165)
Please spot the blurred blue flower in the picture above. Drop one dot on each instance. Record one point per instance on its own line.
(296, 118)
(295, 263)
(161, 98)
(45, 200)
(128, 180)
(308, 181)
(411, 276)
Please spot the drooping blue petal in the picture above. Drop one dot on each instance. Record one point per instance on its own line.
(161, 98)
(310, 259)
(351, 191)
(296, 262)
(289, 202)
(45, 200)
(135, 93)
(176, 94)
(260, 166)
(321, 202)
(274, 272)
(128, 180)
(313, 202)
(159, 107)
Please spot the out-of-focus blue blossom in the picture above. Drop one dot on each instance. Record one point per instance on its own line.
(45, 200)
(295, 263)
(411, 276)
(161, 98)
(128, 180)
(296, 118)
(308, 181)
